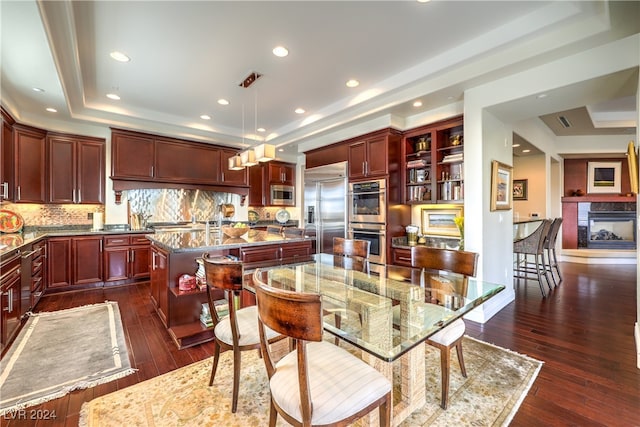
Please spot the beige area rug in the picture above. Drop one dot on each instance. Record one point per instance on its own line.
(60, 351)
(498, 381)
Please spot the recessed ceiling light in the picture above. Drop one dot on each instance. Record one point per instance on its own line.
(223, 101)
(417, 104)
(113, 96)
(542, 95)
(526, 151)
(423, 1)
(205, 117)
(37, 89)
(52, 110)
(119, 56)
(280, 51)
(353, 83)
(300, 111)
(516, 145)
(261, 130)
(281, 150)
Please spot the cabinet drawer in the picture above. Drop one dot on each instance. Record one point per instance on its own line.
(139, 240)
(120, 240)
(261, 253)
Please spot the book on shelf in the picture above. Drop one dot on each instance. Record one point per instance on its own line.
(416, 163)
(458, 157)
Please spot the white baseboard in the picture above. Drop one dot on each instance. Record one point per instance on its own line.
(599, 256)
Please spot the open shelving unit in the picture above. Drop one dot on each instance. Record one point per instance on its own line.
(434, 163)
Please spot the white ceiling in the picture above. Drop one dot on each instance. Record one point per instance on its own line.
(186, 55)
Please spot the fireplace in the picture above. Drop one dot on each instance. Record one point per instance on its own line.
(611, 230)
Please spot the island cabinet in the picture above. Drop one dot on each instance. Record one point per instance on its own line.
(126, 257)
(30, 164)
(179, 310)
(401, 256)
(76, 169)
(38, 271)
(9, 297)
(374, 155)
(74, 261)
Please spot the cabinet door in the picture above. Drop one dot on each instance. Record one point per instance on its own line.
(377, 157)
(160, 283)
(401, 256)
(116, 263)
(132, 155)
(10, 305)
(139, 262)
(187, 162)
(6, 159)
(61, 170)
(238, 177)
(357, 159)
(30, 165)
(257, 191)
(59, 262)
(90, 171)
(295, 250)
(281, 173)
(260, 253)
(87, 260)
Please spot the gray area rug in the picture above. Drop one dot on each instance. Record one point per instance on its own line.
(57, 352)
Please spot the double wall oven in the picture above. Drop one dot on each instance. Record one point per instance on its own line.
(367, 216)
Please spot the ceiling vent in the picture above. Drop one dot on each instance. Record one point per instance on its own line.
(564, 122)
(250, 79)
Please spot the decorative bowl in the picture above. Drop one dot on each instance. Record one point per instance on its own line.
(234, 231)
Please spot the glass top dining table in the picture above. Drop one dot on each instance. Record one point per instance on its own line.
(387, 311)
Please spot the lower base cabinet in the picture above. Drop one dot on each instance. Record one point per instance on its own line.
(126, 257)
(10, 282)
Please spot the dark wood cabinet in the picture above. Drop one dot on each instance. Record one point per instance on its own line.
(374, 155)
(6, 156)
(160, 283)
(232, 177)
(76, 169)
(73, 261)
(38, 271)
(154, 159)
(132, 155)
(334, 153)
(263, 175)
(281, 173)
(10, 281)
(187, 162)
(400, 256)
(30, 164)
(87, 260)
(126, 257)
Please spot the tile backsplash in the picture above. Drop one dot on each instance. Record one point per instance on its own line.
(36, 214)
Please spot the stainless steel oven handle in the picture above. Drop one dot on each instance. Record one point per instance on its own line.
(377, 233)
(364, 193)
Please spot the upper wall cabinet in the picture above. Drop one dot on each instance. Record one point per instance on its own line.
(30, 164)
(263, 176)
(434, 163)
(6, 156)
(374, 155)
(76, 169)
(148, 158)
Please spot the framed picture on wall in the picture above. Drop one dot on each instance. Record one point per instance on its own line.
(604, 177)
(501, 186)
(520, 189)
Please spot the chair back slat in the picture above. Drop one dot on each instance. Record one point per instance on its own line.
(274, 229)
(534, 242)
(293, 232)
(295, 314)
(550, 240)
(351, 247)
(223, 273)
(460, 262)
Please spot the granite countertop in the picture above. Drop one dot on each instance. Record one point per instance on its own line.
(199, 241)
(12, 241)
(431, 241)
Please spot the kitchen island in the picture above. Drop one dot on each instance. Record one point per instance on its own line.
(174, 254)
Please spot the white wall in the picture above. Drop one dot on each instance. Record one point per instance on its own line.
(534, 170)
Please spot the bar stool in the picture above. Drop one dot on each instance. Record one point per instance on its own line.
(532, 245)
(550, 250)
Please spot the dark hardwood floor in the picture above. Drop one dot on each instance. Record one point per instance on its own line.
(583, 331)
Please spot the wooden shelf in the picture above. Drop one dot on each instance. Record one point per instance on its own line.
(599, 198)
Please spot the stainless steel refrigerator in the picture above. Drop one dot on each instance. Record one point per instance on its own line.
(325, 204)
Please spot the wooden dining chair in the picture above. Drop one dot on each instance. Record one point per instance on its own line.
(317, 384)
(237, 331)
(354, 251)
(459, 262)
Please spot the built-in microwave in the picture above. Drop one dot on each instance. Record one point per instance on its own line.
(283, 195)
